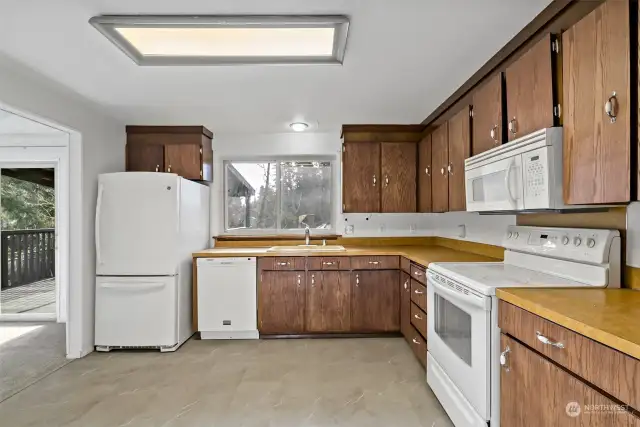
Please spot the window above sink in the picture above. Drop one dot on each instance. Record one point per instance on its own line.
(279, 196)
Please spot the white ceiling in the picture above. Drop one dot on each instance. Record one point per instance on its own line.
(403, 58)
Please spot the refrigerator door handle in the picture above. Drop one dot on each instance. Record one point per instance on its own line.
(98, 215)
(133, 286)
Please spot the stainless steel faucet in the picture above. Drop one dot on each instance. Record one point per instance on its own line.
(307, 235)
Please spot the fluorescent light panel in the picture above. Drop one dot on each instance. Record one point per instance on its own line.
(227, 40)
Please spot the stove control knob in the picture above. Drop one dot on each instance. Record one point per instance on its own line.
(565, 240)
(577, 241)
(516, 235)
(591, 243)
(509, 235)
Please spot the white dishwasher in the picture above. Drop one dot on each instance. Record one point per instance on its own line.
(227, 298)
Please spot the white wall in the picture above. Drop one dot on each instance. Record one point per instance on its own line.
(484, 229)
(100, 149)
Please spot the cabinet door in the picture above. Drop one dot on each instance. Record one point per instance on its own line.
(424, 174)
(560, 398)
(184, 160)
(361, 177)
(328, 306)
(597, 152)
(459, 150)
(440, 176)
(405, 305)
(529, 83)
(487, 116)
(399, 176)
(145, 158)
(375, 301)
(281, 302)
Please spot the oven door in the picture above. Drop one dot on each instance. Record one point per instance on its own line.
(459, 338)
(495, 186)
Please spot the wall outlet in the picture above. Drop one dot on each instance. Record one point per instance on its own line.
(382, 228)
(413, 228)
(349, 229)
(462, 231)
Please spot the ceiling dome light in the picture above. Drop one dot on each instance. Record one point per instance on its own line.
(299, 126)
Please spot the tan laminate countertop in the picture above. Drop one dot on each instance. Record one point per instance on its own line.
(423, 255)
(609, 316)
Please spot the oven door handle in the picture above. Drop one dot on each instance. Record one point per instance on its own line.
(507, 183)
(481, 302)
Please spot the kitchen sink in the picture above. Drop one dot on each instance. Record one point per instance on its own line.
(305, 248)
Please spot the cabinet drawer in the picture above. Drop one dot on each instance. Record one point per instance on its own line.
(609, 370)
(419, 294)
(329, 263)
(281, 263)
(418, 345)
(418, 273)
(419, 319)
(405, 265)
(375, 262)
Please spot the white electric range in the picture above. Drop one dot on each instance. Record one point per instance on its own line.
(463, 342)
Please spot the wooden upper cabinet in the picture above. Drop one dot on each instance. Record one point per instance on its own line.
(424, 174)
(487, 115)
(145, 158)
(440, 162)
(459, 150)
(597, 151)
(530, 87)
(183, 150)
(398, 189)
(558, 396)
(361, 177)
(281, 302)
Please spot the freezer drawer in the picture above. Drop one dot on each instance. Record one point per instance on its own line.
(136, 311)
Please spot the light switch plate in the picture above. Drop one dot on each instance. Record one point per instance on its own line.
(349, 229)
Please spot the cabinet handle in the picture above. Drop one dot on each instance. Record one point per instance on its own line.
(357, 280)
(494, 134)
(298, 280)
(415, 341)
(386, 180)
(417, 292)
(374, 180)
(417, 273)
(426, 170)
(157, 168)
(611, 107)
(313, 280)
(374, 262)
(442, 171)
(328, 263)
(283, 263)
(512, 126)
(169, 168)
(406, 284)
(547, 341)
(503, 358)
(450, 168)
(417, 316)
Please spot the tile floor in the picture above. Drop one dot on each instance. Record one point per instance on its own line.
(334, 382)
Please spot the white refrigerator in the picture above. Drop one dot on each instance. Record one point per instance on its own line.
(147, 226)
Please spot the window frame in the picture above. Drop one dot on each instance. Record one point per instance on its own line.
(278, 230)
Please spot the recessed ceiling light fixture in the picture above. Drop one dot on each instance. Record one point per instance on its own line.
(227, 40)
(299, 126)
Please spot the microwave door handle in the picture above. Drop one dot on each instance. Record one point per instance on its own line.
(507, 182)
(481, 302)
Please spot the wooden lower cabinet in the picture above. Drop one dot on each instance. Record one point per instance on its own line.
(536, 392)
(418, 345)
(281, 302)
(328, 306)
(375, 301)
(405, 305)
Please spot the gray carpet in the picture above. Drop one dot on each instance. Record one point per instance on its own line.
(28, 353)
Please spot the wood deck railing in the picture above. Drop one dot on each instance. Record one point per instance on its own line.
(27, 256)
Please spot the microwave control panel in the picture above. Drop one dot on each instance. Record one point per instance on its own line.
(536, 178)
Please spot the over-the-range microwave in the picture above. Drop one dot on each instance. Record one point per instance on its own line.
(523, 175)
